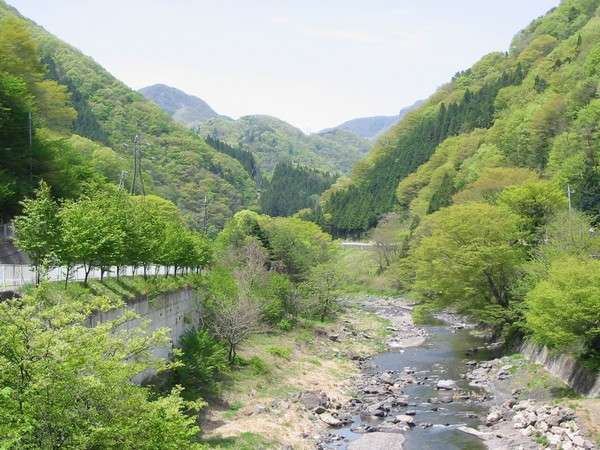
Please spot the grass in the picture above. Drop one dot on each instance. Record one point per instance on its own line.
(280, 352)
(124, 289)
(361, 273)
(234, 407)
(277, 365)
(245, 441)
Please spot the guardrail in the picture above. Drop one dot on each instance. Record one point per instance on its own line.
(13, 276)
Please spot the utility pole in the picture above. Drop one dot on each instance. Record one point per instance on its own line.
(30, 129)
(205, 224)
(569, 192)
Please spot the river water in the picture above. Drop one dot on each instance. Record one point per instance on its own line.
(442, 356)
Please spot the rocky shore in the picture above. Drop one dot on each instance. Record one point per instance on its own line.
(382, 413)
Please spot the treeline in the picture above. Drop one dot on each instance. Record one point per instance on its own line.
(292, 188)
(245, 158)
(355, 207)
(107, 228)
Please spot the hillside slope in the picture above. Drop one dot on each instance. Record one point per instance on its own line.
(532, 107)
(272, 140)
(372, 127)
(178, 164)
(186, 109)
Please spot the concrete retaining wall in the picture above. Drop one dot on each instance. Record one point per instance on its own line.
(179, 311)
(565, 367)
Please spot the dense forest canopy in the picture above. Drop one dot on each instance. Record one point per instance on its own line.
(271, 140)
(536, 102)
(292, 188)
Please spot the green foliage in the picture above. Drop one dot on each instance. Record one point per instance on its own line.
(257, 366)
(64, 384)
(355, 206)
(564, 309)
(107, 228)
(37, 230)
(467, 256)
(535, 202)
(203, 361)
(271, 141)
(293, 188)
(322, 291)
(178, 164)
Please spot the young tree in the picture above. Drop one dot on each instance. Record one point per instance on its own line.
(37, 230)
(322, 290)
(232, 321)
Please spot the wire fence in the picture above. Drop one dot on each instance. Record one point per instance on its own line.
(15, 275)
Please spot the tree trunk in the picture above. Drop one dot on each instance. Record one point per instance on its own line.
(87, 273)
(67, 275)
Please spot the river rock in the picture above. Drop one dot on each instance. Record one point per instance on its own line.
(378, 441)
(330, 420)
(447, 385)
(404, 418)
(492, 418)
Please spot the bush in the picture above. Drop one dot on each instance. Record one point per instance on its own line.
(564, 309)
(280, 352)
(285, 324)
(204, 361)
(258, 366)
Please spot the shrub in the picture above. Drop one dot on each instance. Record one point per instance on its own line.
(280, 352)
(204, 360)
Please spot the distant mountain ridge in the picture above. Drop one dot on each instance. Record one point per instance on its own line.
(272, 140)
(184, 108)
(371, 127)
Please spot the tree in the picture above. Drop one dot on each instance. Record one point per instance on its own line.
(232, 321)
(91, 233)
(535, 202)
(386, 237)
(468, 255)
(564, 309)
(66, 385)
(322, 290)
(37, 230)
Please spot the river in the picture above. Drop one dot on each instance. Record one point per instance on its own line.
(437, 413)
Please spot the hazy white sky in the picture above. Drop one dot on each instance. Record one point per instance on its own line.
(313, 63)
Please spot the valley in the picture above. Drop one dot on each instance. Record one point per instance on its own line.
(177, 276)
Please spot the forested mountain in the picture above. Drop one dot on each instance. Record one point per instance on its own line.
(245, 158)
(271, 140)
(67, 92)
(371, 127)
(292, 188)
(184, 108)
(534, 107)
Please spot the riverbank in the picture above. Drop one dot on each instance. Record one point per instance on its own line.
(291, 377)
(374, 380)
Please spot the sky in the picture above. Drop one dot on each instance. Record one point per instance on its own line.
(312, 63)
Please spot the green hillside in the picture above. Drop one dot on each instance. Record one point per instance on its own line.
(531, 107)
(177, 163)
(272, 140)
